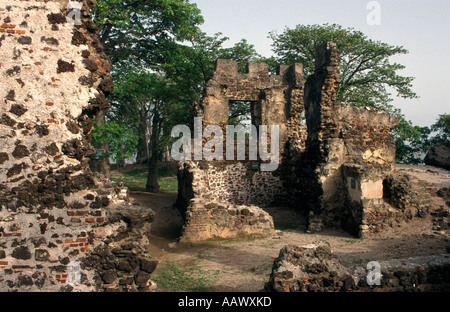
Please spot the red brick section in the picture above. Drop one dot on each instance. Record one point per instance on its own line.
(76, 214)
(80, 243)
(61, 278)
(10, 29)
(12, 234)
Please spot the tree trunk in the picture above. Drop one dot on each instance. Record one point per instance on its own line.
(143, 144)
(152, 178)
(166, 154)
(142, 155)
(120, 161)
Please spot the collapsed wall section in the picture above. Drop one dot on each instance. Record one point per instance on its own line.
(54, 212)
(315, 268)
(339, 135)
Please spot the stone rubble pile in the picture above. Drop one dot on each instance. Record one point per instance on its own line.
(314, 268)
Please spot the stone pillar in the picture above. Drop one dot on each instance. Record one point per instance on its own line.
(321, 178)
(55, 219)
(339, 134)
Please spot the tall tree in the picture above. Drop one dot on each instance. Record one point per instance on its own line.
(367, 74)
(161, 64)
(137, 35)
(140, 34)
(148, 100)
(192, 64)
(130, 104)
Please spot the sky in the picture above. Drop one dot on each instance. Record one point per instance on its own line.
(420, 26)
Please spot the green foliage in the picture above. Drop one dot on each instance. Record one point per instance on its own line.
(412, 142)
(243, 53)
(121, 139)
(239, 113)
(442, 130)
(144, 31)
(367, 74)
(140, 36)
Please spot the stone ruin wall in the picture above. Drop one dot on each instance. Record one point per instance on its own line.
(220, 211)
(315, 268)
(340, 136)
(276, 100)
(55, 214)
(239, 184)
(332, 169)
(346, 174)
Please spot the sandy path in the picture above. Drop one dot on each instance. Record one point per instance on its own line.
(245, 264)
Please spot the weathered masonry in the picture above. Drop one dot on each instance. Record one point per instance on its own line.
(61, 226)
(315, 268)
(332, 168)
(220, 198)
(349, 151)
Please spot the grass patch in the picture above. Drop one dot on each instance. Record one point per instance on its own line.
(173, 278)
(135, 179)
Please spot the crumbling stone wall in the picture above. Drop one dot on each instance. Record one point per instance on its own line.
(314, 268)
(407, 196)
(276, 100)
(236, 183)
(339, 135)
(332, 168)
(54, 211)
(210, 212)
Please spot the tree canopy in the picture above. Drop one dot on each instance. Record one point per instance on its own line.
(367, 74)
(145, 31)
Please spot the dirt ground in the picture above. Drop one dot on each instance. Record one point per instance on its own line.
(242, 265)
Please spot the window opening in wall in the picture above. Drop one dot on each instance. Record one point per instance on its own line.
(303, 119)
(240, 113)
